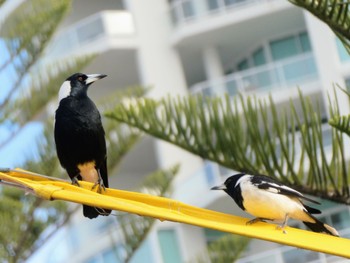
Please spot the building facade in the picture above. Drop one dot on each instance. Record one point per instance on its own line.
(212, 47)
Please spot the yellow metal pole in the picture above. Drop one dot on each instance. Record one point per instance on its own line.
(167, 209)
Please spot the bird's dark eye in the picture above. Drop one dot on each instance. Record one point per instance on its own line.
(80, 79)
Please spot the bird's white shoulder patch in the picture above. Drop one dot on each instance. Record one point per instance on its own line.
(290, 190)
(243, 179)
(64, 91)
(272, 190)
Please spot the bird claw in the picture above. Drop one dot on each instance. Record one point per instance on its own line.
(281, 228)
(255, 220)
(75, 181)
(283, 225)
(100, 184)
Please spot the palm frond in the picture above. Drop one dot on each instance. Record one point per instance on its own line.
(335, 13)
(342, 123)
(26, 33)
(43, 88)
(247, 134)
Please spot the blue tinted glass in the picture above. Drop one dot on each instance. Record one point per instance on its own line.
(110, 256)
(169, 246)
(343, 54)
(145, 251)
(188, 9)
(284, 48)
(212, 4)
(305, 42)
(259, 57)
(243, 65)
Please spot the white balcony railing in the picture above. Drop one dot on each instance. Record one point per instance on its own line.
(183, 11)
(109, 23)
(281, 74)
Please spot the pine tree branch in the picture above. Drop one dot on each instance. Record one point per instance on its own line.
(238, 134)
(27, 32)
(334, 13)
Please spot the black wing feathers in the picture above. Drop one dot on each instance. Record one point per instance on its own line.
(267, 183)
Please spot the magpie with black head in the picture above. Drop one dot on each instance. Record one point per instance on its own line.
(80, 137)
(267, 199)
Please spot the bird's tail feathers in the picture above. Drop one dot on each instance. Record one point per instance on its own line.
(312, 210)
(93, 212)
(320, 227)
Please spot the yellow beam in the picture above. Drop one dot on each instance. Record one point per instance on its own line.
(167, 209)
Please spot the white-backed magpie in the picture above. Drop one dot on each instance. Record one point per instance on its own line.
(268, 199)
(80, 137)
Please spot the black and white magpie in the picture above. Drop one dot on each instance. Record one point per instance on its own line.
(80, 137)
(268, 199)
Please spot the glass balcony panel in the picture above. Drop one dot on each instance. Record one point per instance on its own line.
(229, 3)
(298, 255)
(340, 220)
(169, 246)
(207, 91)
(188, 9)
(173, 15)
(90, 31)
(299, 70)
(266, 259)
(213, 4)
(232, 87)
(282, 74)
(263, 79)
(305, 42)
(343, 54)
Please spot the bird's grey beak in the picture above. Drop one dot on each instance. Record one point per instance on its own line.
(219, 187)
(93, 77)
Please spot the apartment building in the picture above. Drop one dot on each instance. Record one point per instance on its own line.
(255, 47)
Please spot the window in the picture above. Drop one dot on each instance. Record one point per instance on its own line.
(347, 84)
(343, 54)
(340, 220)
(188, 9)
(284, 48)
(304, 42)
(290, 46)
(110, 256)
(243, 65)
(169, 246)
(212, 235)
(259, 57)
(299, 255)
(145, 251)
(213, 4)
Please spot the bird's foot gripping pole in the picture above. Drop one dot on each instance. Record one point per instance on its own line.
(283, 225)
(255, 220)
(99, 183)
(75, 180)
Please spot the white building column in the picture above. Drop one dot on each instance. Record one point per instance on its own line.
(327, 60)
(213, 69)
(160, 67)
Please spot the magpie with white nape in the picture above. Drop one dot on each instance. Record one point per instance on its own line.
(80, 137)
(268, 199)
